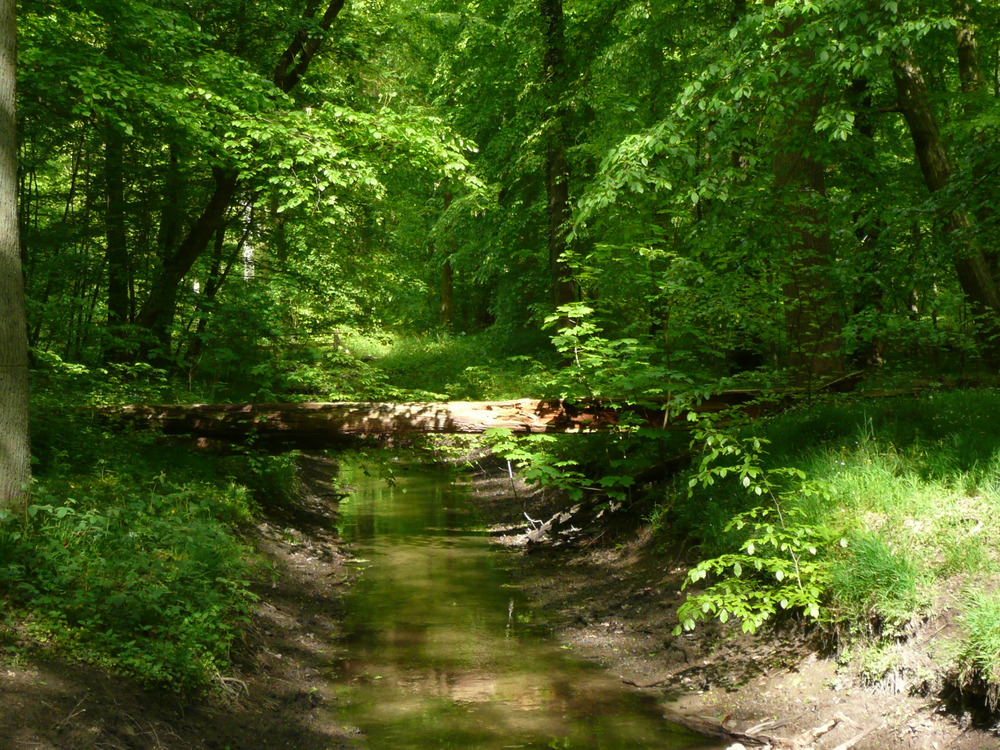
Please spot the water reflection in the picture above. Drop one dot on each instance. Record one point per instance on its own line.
(442, 654)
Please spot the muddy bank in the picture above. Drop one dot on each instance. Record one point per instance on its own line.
(614, 600)
(271, 698)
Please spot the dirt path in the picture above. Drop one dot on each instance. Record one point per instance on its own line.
(616, 604)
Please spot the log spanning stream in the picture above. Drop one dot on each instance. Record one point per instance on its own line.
(442, 652)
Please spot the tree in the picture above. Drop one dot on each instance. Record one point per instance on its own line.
(15, 464)
(157, 313)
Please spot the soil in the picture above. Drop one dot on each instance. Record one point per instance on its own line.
(612, 600)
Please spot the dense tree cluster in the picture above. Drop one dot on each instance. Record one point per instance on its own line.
(700, 187)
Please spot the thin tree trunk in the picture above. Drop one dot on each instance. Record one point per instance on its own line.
(15, 449)
(868, 225)
(446, 309)
(116, 249)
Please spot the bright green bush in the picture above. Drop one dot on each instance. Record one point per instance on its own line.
(147, 582)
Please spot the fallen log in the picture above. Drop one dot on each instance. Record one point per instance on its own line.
(319, 420)
(322, 422)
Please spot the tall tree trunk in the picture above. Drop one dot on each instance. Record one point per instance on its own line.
(868, 225)
(116, 249)
(812, 318)
(812, 314)
(15, 449)
(446, 309)
(564, 288)
(972, 266)
(971, 79)
(157, 314)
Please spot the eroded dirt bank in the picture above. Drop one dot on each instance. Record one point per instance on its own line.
(615, 601)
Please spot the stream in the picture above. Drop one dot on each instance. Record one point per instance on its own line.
(442, 652)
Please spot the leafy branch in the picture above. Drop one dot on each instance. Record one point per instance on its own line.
(779, 565)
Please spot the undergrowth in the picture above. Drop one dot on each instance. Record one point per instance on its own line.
(129, 553)
(892, 502)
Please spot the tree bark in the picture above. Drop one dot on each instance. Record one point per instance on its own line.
(869, 290)
(116, 240)
(812, 317)
(446, 309)
(971, 265)
(15, 454)
(971, 78)
(564, 288)
(329, 421)
(319, 422)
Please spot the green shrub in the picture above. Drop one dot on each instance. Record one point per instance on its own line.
(781, 565)
(148, 583)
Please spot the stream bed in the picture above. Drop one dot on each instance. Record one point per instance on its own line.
(442, 652)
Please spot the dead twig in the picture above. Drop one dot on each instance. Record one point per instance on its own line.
(807, 738)
(76, 711)
(643, 685)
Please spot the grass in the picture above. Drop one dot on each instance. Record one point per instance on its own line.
(979, 652)
(875, 586)
(478, 367)
(912, 486)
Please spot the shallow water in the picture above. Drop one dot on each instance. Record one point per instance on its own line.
(443, 653)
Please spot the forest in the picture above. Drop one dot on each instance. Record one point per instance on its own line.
(636, 205)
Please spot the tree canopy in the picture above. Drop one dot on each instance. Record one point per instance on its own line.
(805, 187)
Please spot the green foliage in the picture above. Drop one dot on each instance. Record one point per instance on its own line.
(146, 581)
(978, 652)
(778, 568)
(536, 462)
(783, 562)
(629, 369)
(129, 555)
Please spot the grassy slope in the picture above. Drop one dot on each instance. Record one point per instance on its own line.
(912, 488)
